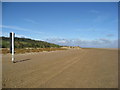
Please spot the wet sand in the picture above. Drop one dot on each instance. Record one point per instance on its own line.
(73, 68)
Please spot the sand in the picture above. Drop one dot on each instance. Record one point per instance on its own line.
(73, 68)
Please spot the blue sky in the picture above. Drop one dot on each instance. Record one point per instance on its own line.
(86, 24)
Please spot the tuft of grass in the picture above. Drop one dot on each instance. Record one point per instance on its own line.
(5, 50)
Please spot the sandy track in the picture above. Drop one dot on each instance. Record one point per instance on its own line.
(74, 68)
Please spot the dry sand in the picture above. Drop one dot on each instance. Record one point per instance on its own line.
(73, 68)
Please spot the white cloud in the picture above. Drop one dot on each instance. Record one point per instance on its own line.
(104, 40)
(19, 28)
(31, 21)
(21, 36)
(99, 18)
(87, 29)
(4, 34)
(62, 41)
(110, 35)
(94, 11)
(14, 27)
(99, 43)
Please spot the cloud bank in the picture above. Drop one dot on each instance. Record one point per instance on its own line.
(98, 43)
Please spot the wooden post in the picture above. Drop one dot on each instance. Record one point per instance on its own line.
(12, 45)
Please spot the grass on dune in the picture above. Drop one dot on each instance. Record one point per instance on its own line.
(28, 50)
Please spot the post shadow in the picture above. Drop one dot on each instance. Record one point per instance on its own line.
(21, 60)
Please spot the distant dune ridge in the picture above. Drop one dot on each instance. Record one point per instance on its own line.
(26, 43)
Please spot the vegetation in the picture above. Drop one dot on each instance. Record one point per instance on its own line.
(28, 50)
(26, 43)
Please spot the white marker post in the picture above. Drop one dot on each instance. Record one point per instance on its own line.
(12, 45)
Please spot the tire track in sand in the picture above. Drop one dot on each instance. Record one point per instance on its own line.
(72, 62)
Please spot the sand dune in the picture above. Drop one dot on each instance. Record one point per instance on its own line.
(73, 68)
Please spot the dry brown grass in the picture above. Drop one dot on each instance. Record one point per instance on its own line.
(28, 50)
(5, 50)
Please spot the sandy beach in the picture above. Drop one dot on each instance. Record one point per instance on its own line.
(73, 68)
